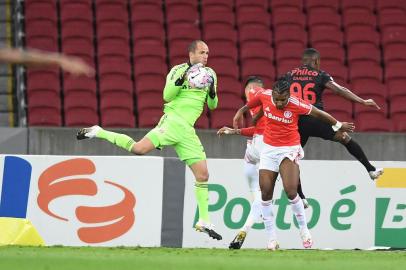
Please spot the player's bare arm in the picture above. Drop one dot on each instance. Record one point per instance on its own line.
(326, 117)
(228, 131)
(239, 116)
(247, 132)
(347, 94)
(69, 64)
(256, 117)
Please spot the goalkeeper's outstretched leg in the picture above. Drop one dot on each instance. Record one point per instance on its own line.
(141, 147)
(197, 164)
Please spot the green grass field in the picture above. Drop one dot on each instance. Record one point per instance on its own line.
(210, 259)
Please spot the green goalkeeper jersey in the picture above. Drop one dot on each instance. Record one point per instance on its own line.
(185, 101)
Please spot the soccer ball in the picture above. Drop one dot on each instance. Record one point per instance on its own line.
(199, 77)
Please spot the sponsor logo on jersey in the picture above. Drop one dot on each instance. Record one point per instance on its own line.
(305, 72)
(277, 118)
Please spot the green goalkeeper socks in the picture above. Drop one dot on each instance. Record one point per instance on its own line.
(202, 197)
(118, 139)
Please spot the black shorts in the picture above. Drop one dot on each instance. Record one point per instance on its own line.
(313, 127)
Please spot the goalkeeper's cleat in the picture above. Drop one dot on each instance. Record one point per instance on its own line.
(207, 228)
(305, 203)
(87, 133)
(375, 174)
(306, 238)
(238, 240)
(273, 245)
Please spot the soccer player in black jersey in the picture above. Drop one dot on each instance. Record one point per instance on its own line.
(308, 82)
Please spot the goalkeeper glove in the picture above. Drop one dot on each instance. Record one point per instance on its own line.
(181, 79)
(212, 91)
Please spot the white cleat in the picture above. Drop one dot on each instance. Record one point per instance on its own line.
(88, 133)
(375, 174)
(306, 238)
(272, 245)
(208, 229)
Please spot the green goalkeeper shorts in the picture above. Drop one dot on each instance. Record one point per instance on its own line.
(174, 131)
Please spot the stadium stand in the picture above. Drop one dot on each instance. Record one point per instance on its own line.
(132, 43)
(322, 5)
(282, 5)
(7, 99)
(77, 35)
(358, 5)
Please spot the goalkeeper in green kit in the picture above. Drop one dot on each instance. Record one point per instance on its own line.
(188, 87)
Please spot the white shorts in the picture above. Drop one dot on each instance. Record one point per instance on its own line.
(272, 156)
(254, 148)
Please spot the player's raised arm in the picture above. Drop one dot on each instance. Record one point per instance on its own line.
(256, 101)
(257, 116)
(336, 125)
(347, 94)
(34, 58)
(174, 81)
(239, 115)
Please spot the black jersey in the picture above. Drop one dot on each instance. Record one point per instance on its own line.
(308, 84)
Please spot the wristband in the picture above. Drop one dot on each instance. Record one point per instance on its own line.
(337, 126)
(180, 81)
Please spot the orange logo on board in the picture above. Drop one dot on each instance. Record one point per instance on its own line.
(62, 179)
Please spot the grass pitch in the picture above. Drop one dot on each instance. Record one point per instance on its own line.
(71, 258)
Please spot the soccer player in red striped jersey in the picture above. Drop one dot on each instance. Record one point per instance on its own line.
(253, 86)
(282, 151)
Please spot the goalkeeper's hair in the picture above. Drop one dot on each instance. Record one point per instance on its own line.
(281, 86)
(254, 79)
(193, 45)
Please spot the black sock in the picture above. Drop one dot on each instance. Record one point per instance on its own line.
(356, 150)
(300, 191)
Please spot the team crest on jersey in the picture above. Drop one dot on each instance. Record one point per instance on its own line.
(287, 114)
